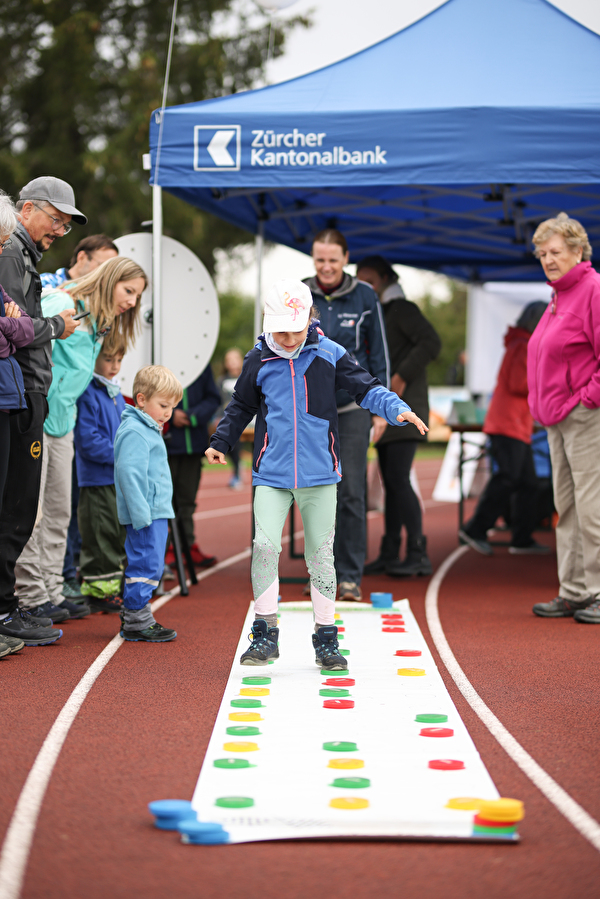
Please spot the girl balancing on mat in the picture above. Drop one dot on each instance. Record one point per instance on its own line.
(289, 381)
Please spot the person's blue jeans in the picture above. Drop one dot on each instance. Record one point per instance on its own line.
(350, 544)
(145, 562)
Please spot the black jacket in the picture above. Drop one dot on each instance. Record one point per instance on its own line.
(200, 400)
(413, 343)
(22, 283)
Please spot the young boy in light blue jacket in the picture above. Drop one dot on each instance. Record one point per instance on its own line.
(144, 497)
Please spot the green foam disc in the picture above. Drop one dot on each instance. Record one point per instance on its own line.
(334, 691)
(494, 831)
(243, 731)
(234, 802)
(327, 672)
(256, 681)
(345, 652)
(247, 703)
(232, 763)
(340, 746)
(351, 783)
(431, 718)
(338, 623)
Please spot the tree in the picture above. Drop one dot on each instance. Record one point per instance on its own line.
(449, 318)
(79, 80)
(237, 327)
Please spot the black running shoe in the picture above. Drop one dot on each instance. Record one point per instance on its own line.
(49, 610)
(75, 609)
(264, 644)
(156, 633)
(108, 604)
(327, 649)
(33, 631)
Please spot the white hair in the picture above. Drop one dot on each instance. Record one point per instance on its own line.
(8, 215)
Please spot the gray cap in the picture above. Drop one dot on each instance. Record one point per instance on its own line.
(52, 190)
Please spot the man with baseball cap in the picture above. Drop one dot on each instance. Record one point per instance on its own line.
(46, 207)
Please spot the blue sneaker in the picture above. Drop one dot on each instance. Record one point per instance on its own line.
(264, 644)
(327, 649)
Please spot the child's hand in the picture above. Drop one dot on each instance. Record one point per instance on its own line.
(414, 419)
(215, 456)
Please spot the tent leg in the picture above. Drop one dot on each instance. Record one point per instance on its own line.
(259, 245)
(157, 227)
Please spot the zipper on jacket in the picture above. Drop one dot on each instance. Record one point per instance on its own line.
(12, 368)
(335, 458)
(306, 392)
(293, 373)
(264, 446)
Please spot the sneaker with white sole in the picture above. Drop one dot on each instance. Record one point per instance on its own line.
(349, 591)
(590, 614)
(561, 608)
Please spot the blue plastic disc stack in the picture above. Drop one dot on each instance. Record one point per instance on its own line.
(169, 812)
(202, 833)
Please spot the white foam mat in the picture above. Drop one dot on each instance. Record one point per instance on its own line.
(290, 782)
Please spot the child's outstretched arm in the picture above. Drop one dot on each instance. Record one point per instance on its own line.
(414, 419)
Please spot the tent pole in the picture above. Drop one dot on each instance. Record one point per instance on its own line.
(259, 245)
(157, 227)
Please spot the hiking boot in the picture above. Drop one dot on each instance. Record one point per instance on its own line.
(156, 633)
(75, 609)
(106, 604)
(532, 549)
(416, 563)
(71, 589)
(588, 615)
(33, 631)
(264, 644)
(49, 610)
(480, 546)
(349, 590)
(327, 649)
(561, 608)
(15, 644)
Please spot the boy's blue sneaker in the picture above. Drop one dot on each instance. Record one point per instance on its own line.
(156, 633)
(264, 644)
(327, 649)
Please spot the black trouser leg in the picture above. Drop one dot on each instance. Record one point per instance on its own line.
(402, 507)
(4, 450)
(515, 475)
(186, 471)
(21, 492)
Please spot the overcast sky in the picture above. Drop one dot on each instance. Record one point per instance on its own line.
(341, 28)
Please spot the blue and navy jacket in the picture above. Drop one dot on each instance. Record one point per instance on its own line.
(200, 400)
(352, 316)
(98, 418)
(296, 442)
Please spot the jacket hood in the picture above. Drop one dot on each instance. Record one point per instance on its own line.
(572, 277)
(348, 284)
(514, 334)
(134, 413)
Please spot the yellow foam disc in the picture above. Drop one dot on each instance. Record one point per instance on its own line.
(245, 716)
(411, 672)
(337, 616)
(347, 764)
(502, 810)
(349, 803)
(240, 747)
(254, 691)
(467, 803)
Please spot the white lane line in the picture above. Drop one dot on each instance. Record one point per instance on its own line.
(21, 830)
(587, 826)
(220, 513)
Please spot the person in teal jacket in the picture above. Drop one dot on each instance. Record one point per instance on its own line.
(109, 297)
(144, 497)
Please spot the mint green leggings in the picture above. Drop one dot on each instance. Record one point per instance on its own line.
(317, 507)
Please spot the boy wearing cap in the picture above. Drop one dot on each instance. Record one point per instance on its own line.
(45, 207)
(289, 381)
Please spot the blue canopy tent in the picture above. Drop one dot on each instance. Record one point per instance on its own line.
(441, 147)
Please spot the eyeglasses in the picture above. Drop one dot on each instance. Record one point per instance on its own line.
(6, 243)
(56, 223)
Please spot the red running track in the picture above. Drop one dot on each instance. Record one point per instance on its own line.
(144, 726)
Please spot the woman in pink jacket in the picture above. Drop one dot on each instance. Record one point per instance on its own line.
(563, 374)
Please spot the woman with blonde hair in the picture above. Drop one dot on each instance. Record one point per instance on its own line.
(563, 375)
(107, 300)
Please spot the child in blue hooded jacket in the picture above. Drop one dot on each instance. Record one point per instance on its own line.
(289, 381)
(144, 497)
